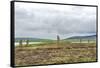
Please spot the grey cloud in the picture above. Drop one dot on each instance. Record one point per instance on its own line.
(51, 21)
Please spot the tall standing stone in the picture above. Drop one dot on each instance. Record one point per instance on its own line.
(58, 39)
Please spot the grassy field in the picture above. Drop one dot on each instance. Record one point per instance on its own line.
(51, 53)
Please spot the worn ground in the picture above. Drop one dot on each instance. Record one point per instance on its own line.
(55, 54)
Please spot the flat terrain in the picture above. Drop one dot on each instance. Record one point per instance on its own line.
(52, 53)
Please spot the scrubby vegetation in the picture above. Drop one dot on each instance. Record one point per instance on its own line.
(51, 53)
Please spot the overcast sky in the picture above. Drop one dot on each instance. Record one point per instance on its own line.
(47, 20)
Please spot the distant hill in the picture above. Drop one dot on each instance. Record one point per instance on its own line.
(32, 39)
(83, 37)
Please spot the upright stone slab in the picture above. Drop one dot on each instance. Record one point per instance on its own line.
(58, 40)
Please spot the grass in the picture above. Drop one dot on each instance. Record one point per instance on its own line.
(51, 53)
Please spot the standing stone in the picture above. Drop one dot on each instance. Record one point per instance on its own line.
(27, 42)
(58, 39)
(20, 43)
(80, 40)
(88, 41)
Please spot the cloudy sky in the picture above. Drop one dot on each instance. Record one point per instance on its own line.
(47, 20)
